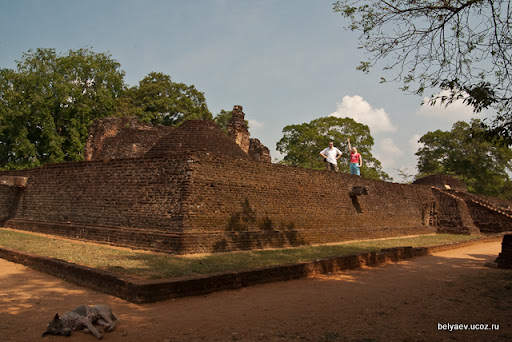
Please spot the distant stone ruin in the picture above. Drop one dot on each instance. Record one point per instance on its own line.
(237, 130)
(442, 182)
(126, 137)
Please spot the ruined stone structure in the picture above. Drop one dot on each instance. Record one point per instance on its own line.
(442, 182)
(117, 138)
(237, 128)
(194, 189)
(126, 137)
(504, 259)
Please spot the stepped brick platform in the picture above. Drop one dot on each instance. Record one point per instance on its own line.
(194, 189)
(198, 136)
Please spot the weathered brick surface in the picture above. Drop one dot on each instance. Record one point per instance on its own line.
(126, 137)
(443, 182)
(134, 193)
(237, 128)
(258, 151)
(196, 202)
(486, 214)
(454, 216)
(198, 136)
(257, 204)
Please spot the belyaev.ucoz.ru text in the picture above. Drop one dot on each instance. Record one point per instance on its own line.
(460, 326)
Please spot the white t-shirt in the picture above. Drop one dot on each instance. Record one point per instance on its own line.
(331, 154)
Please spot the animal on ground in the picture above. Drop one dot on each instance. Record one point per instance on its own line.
(83, 318)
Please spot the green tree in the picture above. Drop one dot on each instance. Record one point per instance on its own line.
(461, 46)
(302, 144)
(160, 101)
(223, 118)
(48, 103)
(460, 152)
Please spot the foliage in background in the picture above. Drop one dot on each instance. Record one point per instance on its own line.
(223, 117)
(461, 152)
(48, 103)
(303, 143)
(159, 100)
(462, 47)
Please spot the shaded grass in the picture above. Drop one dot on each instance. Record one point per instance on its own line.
(159, 266)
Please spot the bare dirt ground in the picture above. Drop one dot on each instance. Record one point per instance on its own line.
(406, 301)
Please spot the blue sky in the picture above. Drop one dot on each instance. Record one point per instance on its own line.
(285, 61)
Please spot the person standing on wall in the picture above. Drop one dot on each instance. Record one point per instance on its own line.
(356, 161)
(331, 155)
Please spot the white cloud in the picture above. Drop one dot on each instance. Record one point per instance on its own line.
(361, 111)
(414, 144)
(456, 111)
(255, 124)
(387, 152)
(388, 146)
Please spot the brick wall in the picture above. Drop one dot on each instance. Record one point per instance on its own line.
(260, 205)
(454, 216)
(197, 202)
(125, 137)
(487, 213)
(126, 202)
(198, 136)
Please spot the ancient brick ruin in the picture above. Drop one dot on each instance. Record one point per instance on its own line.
(238, 131)
(195, 189)
(126, 137)
(504, 259)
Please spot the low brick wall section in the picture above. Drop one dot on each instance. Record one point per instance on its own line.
(138, 291)
(504, 259)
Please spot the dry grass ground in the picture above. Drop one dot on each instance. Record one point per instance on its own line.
(406, 301)
(149, 265)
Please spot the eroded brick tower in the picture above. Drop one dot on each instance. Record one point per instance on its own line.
(237, 128)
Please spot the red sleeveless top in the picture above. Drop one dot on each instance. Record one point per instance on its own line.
(354, 158)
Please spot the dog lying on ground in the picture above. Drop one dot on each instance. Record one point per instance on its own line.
(83, 317)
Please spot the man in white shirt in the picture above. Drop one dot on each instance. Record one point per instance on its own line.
(331, 155)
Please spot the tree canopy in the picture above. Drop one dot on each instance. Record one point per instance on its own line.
(460, 152)
(159, 100)
(302, 144)
(461, 46)
(48, 103)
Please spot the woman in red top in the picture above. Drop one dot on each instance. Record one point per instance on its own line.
(356, 161)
